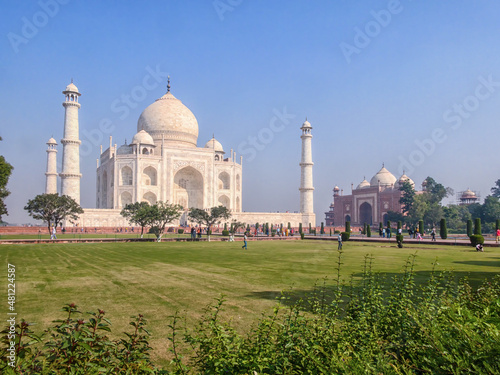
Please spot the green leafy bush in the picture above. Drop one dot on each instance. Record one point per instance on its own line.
(443, 231)
(469, 228)
(477, 226)
(225, 233)
(475, 239)
(346, 236)
(301, 235)
(368, 231)
(180, 231)
(348, 226)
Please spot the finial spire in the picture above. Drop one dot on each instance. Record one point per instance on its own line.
(71, 79)
(383, 165)
(168, 83)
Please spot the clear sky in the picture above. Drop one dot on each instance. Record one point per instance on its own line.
(412, 84)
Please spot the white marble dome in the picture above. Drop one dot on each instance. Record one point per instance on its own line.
(71, 88)
(143, 138)
(363, 184)
(402, 179)
(384, 178)
(167, 117)
(215, 144)
(468, 194)
(52, 141)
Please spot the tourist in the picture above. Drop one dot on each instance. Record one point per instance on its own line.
(479, 247)
(339, 238)
(54, 232)
(380, 232)
(389, 232)
(245, 241)
(193, 234)
(433, 234)
(498, 235)
(419, 236)
(383, 233)
(199, 233)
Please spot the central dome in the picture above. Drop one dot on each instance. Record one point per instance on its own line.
(167, 117)
(383, 178)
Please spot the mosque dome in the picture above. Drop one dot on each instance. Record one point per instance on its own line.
(384, 177)
(306, 124)
(215, 144)
(71, 88)
(363, 184)
(336, 188)
(402, 179)
(143, 138)
(52, 141)
(468, 194)
(167, 117)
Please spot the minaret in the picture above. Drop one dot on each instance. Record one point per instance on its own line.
(306, 177)
(51, 180)
(70, 175)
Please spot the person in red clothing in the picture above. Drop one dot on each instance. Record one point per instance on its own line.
(498, 235)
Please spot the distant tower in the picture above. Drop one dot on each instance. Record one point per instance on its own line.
(306, 177)
(51, 179)
(70, 175)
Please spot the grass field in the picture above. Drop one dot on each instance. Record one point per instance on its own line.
(157, 279)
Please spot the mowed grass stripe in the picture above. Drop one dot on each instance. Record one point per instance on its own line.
(157, 279)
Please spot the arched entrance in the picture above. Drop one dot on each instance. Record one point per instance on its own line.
(365, 214)
(188, 188)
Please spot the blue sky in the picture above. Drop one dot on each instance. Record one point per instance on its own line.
(412, 84)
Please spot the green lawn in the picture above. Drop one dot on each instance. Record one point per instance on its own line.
(156, 279)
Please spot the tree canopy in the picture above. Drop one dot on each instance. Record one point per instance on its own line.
(209, 217)
(161, 214)
(138, 213)
(495, 190)
(5, 172)
(53, 209)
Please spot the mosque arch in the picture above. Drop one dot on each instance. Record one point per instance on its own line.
(347, 217)
(224, 180)
(365, 213)
(188, 188)
(126, 176)
(224, 200)
(149, 176)
(125, 198)
(149, 197)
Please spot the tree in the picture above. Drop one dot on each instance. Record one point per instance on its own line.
(469, 228)
(456, 216)
(421, 227)
(235, 225)
(394, 216)
(209, 217)
(322, 230)
(138, 213)
(161, 214)
(436, 191)
(495, 190)
(348, 227)
(443, 231)
(368, 231)
(300, 227)
(408, 196)
(491, 209)
(53, 209)
(477, 226)
(5, 172)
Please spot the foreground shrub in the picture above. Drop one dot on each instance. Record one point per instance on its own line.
(225, 232)
(346, 236)
(75, 345)
(442, 326)
(475, 239)
(180, 231)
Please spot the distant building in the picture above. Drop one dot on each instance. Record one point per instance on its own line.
(370, 201)
(467, 197)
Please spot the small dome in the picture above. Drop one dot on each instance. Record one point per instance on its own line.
(306, 124)
(71, 88)
(384, 177)
(51, 141)
(468, 194)
(402, 179)
(169, 118)
(363, 184)
(336, 188)
(143, 138)
(215, 144)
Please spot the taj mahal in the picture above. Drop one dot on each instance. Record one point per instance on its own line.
(164, 163)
